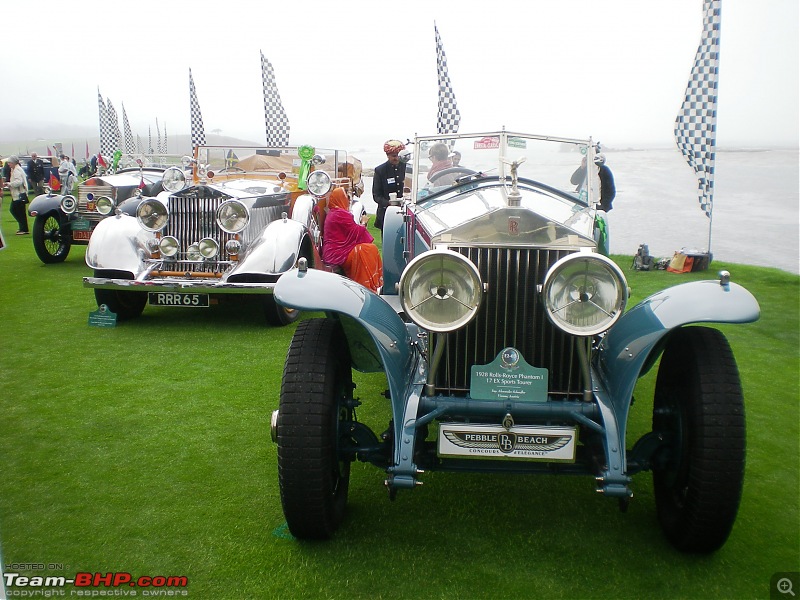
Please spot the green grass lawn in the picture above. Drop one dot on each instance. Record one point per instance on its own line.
(145, 449)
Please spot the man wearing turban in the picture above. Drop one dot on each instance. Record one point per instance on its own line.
(388, 179)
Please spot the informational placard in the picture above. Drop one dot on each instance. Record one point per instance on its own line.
(509, 377)
(102, 317)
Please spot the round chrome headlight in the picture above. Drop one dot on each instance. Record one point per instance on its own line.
(233, 246)
(69, 204)
(232, 216)
(441, 290)
(168, 245)
(193, 252)
(152, 215)
(104, 205)
(208, 247)
(173, 180)
(319, 183)
(585, 294)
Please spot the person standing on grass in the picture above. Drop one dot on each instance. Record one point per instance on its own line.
(18, 182)
(36, 173)
(388, 179)
(67, 172)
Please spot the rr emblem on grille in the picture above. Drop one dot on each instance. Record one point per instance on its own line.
(513, 225)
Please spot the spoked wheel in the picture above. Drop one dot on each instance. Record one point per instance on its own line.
(278, 315)
(126, 305)
(699, 409)
(311, 425)
(49, 242)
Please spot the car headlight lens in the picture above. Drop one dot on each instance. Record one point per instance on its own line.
(152, 215)
(193, 252)
(441, 290)
(168, 245)
(104, 205)
(232, 216)
(319, 183)
(233, 247)
(69, 204)
(208, 247)
(585, 294)
(173, 180)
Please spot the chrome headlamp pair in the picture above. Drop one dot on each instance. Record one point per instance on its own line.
(584, 294)
(232, 216)
(103, 204)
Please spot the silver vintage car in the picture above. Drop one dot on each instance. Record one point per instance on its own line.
(240, 219)
(507, 344)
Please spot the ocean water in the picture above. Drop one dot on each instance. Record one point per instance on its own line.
(756, 216)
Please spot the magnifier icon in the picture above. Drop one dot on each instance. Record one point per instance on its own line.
(784, 586)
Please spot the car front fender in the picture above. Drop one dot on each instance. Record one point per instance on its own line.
(118, 243)
(44, 204)
(635, 341)
(275, 251)
(320, 291)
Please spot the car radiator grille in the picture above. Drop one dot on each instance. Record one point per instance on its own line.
(96, 191)
(511, 314)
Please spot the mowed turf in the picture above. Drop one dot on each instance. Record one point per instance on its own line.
(145, 449)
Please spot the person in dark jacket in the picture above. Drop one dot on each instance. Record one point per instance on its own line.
(35, 169)
(388, 178)
(608, 190)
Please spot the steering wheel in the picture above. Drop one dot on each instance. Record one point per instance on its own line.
(451, 171)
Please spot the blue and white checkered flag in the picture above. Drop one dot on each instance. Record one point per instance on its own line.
(198, 132)
(696, 124)
(448, 117)
(276, 121)
(130, 147)
(106, 134)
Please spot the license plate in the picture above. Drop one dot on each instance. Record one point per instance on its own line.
(178, 299)
(81, 225)
(81, 236)
(540, 443)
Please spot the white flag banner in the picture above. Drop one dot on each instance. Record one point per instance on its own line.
(696, 124)
(130, 147)
(106, 134)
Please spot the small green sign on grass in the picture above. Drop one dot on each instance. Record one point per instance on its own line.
(102, 317)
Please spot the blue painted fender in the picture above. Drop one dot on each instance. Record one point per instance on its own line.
(315, 290)
(393, 245)
(630, 344)
(45, 203)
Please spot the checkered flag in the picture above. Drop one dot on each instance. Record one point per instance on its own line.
(106, 134)
(158, 138)
(198, 132)
(696, 123)
(130, 147)
(274, 115)
(448, 117)
(164, 141)
(113, 125)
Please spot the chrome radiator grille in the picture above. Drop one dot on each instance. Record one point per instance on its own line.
(511, 314)
(96, 191)
(190, 220)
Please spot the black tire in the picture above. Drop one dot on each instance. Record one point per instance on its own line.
(277, 315)
(317, 380)
(49, 241)
(126, 305)
(699, 408)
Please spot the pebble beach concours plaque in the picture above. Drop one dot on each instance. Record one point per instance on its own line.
(508, 377)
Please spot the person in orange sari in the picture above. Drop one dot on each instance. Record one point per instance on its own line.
(349, 245)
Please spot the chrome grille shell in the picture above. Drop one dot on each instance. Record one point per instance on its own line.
(511, 314)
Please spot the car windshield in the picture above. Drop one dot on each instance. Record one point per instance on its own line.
(440, 161)
(231, 160)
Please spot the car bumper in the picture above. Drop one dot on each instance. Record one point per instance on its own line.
(204, 286)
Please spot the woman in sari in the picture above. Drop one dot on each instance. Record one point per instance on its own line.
(349, 245)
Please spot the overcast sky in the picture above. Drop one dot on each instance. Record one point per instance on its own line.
(355, 72)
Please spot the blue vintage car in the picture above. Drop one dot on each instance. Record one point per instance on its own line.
(503, 332)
